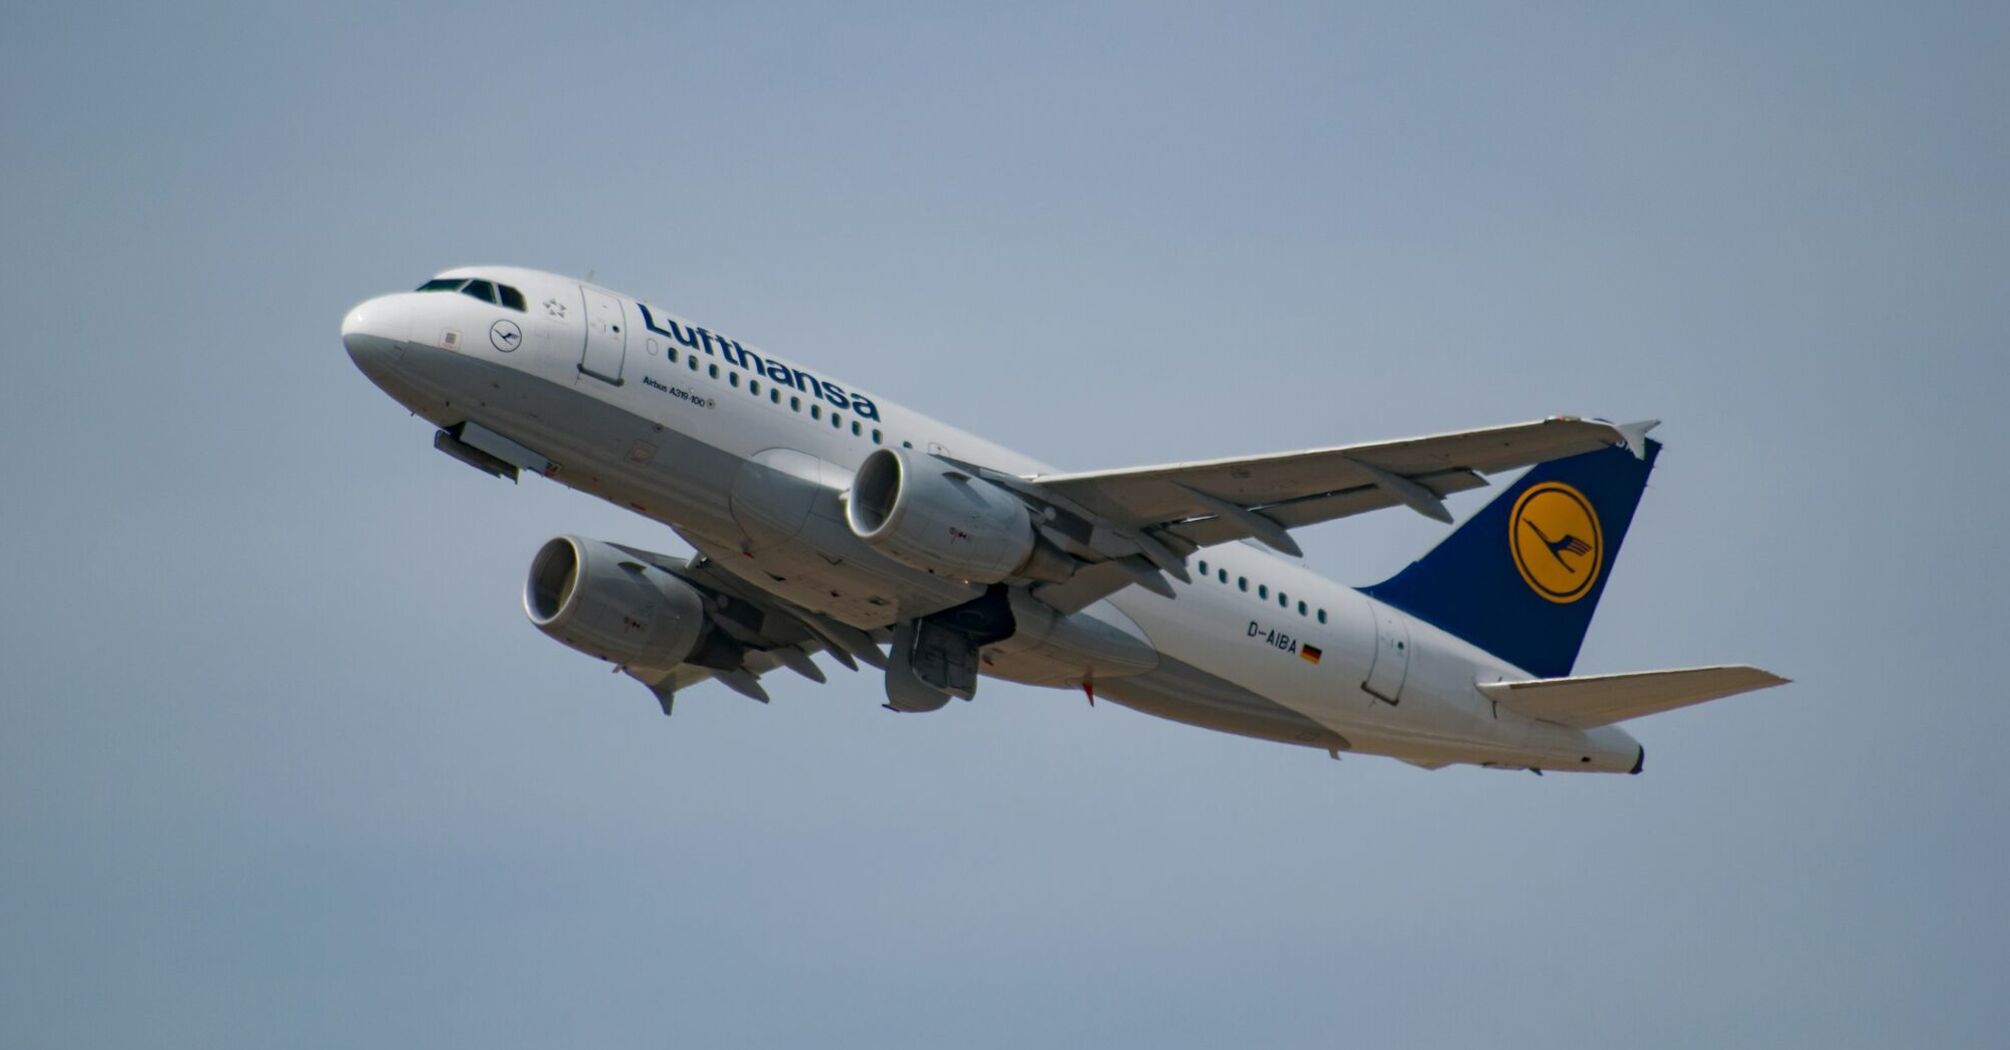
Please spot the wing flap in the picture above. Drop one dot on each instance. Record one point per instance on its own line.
(1590, 701)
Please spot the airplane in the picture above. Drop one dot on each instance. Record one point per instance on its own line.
(828, 520)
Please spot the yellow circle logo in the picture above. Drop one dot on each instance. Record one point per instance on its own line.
(1556, 541)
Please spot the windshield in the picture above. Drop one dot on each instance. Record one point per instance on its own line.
(475, 287)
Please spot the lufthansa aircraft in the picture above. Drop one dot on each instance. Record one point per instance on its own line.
(829, 520)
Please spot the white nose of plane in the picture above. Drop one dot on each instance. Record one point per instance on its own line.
(375, 332)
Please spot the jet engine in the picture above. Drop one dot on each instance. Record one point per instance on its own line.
(607, 603)
(930, 515)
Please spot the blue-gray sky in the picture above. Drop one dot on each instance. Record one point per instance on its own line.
(282, 764)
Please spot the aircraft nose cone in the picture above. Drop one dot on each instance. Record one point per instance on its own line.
(374, 334)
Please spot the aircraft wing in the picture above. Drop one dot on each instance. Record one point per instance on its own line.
(667, 683)
(1140, 521)
(764, 632)
(1590, 701)
(1300, 488)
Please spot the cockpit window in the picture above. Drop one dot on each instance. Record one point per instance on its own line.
(486, 291)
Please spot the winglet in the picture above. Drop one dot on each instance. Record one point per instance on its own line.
(1635, 435)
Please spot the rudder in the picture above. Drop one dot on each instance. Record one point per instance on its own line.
(1521, 578)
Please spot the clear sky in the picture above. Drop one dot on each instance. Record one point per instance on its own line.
(282, 764)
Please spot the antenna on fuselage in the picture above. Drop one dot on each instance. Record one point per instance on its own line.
(589, 275)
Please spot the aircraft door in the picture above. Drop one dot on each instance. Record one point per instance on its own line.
(606, 342)
(1392, 655)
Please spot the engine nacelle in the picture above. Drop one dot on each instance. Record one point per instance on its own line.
(928, 515)
(604, 602)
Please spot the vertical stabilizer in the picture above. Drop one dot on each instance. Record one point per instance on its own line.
(1521, 578)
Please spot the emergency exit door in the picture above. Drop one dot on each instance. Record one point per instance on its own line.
(606, 341)
(1392, 655)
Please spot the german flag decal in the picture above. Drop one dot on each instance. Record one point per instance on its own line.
(1310, 653)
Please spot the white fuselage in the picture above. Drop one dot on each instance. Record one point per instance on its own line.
(640, 407)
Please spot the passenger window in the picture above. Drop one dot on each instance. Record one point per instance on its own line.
(482, 290)
(1242, 583)
(733, 380)
(795, 404)
(875, 437)
(1203, 568)
(1263, 590)
(713, 370)
(1322, 616)
(1221, 574)
(854, 428)
(511, 297)
(837, 421)
(907, 444)
(775, 394)
(816, 411)
(1301, 608)
(1282, 602)
(693, 362)
(443, 284)
(671, 354)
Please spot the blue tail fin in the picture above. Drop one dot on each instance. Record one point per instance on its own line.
(1521, 578)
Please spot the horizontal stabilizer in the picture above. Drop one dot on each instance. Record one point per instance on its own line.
(1589, 701)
